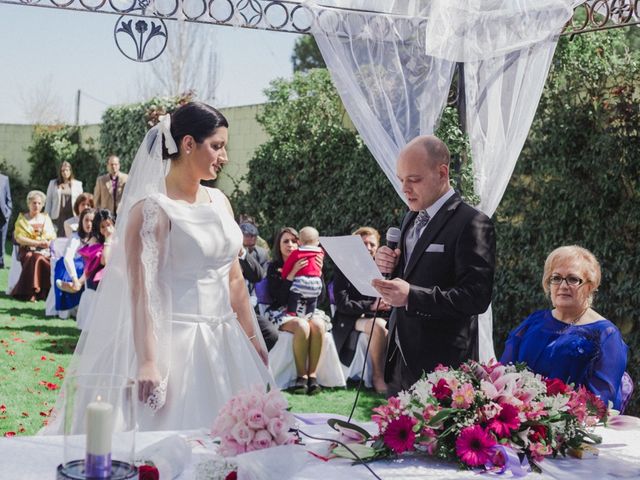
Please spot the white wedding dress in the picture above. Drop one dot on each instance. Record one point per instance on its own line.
(211, 357)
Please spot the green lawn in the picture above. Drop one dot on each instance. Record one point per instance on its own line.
(35, 351)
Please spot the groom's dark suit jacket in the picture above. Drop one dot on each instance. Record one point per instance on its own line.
(451, 276)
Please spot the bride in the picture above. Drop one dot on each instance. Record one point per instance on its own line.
(172, 309)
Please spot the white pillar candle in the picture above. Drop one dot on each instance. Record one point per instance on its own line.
(99, 416)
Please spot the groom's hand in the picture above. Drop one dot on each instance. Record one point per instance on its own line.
(394, 292)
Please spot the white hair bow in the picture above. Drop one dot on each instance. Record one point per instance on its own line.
(165, 128)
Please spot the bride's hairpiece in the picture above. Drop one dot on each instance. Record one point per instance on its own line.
(165, 127)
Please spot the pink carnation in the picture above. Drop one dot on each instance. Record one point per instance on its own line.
(506, 421)
(539, 451)
(441, 389)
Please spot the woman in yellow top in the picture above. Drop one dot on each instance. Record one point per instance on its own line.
(34, 232)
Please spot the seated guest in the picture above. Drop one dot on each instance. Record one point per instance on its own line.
(308, 333)
(96, 256)
(33, 233)
(69, 269)
(572, 341)
(354, 314)
(253, 272)
(306, 286)
(84, 201)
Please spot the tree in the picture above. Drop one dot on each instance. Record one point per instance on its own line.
(315, 169)
(189, 64)
(578, 182)
(306, 54)
(41, 105)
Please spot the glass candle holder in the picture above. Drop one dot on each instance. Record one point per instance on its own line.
(99, 428)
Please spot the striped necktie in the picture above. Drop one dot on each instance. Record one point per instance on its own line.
(412, 238)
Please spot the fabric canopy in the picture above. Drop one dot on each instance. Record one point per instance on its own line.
(392, 63)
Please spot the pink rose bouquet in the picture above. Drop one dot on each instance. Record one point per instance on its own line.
(253, 420)
(490, 416)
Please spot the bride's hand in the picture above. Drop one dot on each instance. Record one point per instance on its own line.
(262, 352)
(148, 379)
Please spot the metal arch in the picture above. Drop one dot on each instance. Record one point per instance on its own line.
(290, 16)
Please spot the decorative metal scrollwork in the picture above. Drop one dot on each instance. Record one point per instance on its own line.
(594, 15)
(277, 15)
(140, 34)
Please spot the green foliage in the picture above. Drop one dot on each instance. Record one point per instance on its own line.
(306, 54)
(578, 182)
(53, 145)
(123, 127)
(315, 169)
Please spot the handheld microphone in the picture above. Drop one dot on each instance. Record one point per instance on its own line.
(393, 240)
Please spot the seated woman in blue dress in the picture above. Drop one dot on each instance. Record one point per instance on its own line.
(69, 269)
(572, 341)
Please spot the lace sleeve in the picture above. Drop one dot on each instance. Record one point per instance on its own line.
(146, 250)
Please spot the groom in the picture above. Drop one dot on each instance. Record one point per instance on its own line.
(441, 274)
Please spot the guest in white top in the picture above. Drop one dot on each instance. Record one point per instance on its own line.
(62, 193)
(84, 201)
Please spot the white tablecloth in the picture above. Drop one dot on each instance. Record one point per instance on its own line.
(25, 458)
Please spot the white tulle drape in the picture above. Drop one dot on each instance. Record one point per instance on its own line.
(392, 63)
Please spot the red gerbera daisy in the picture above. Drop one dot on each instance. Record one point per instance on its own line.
(474, 446)
(399, 435)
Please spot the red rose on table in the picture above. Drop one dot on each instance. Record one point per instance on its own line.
(148, 472)
(555, 386)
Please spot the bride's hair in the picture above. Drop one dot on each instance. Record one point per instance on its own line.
(196, 119)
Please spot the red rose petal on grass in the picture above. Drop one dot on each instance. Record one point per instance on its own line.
(24, 414)
(42, 382)
(19, 340)
(9, 434)
(37, 369)
(43, 357)
(3, 408)
(10, 352)
(52, 386)
(22, 430)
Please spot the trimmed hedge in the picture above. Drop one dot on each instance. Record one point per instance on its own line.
(123, 127)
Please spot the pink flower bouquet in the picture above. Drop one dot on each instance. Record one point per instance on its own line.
(487, 416)
(253, 420)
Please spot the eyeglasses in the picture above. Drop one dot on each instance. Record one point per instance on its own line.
(572, 280)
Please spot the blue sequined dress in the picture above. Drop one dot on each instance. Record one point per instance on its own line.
(593, 355)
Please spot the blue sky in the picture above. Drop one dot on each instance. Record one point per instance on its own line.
(62, 51)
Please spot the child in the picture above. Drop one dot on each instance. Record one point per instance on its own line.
(307, 283)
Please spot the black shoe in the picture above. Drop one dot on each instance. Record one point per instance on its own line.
(314, 386)
(300, 387)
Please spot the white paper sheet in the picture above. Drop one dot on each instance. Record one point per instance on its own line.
(354, 261)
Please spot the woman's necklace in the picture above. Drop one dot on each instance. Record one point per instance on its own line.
(575, 321)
